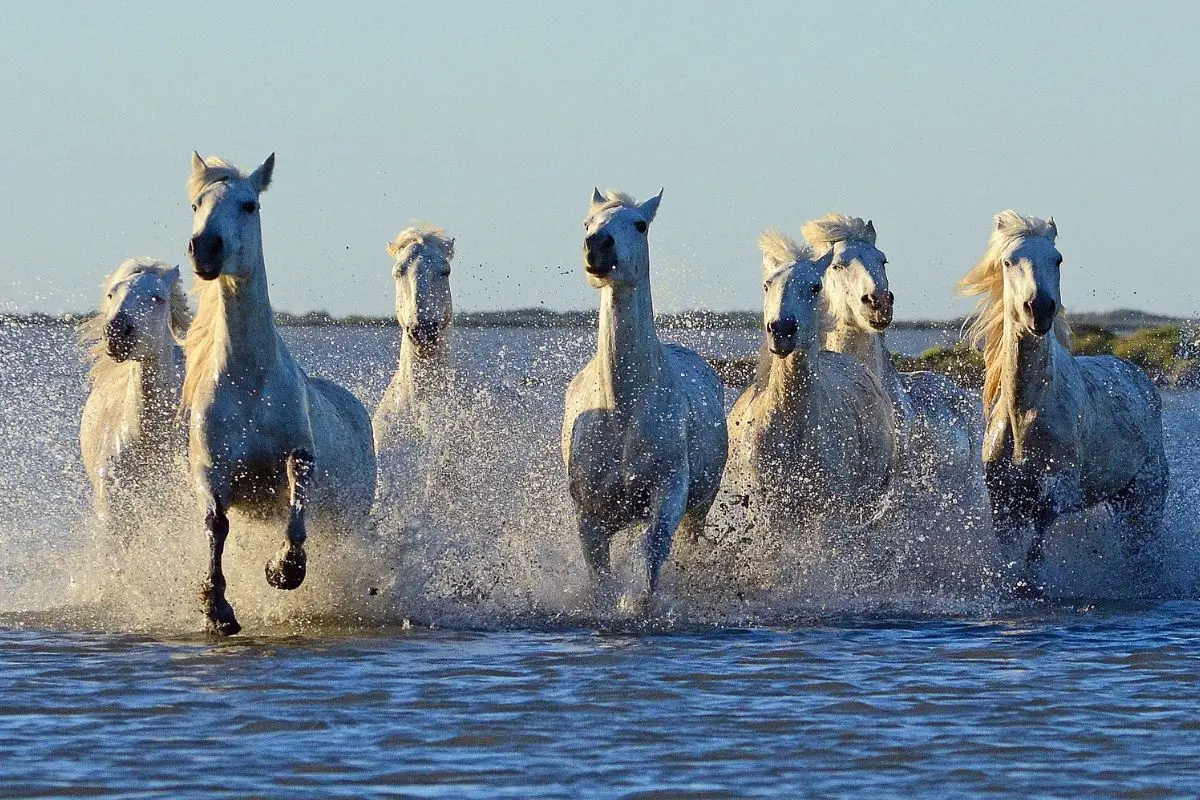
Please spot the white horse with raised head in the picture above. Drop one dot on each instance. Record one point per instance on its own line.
(644, 436)
(130, 437)
(265, 437)
(1064, 432)
(816, 431)
(938, 429)
(405, 416)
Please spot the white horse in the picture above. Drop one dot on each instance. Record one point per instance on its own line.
(131, 437)
(644, 435)
(265, 437)
(938, 429)
(405, 417)
(816, 430)
(1063, 432)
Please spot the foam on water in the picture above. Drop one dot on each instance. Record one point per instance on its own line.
(489, 540)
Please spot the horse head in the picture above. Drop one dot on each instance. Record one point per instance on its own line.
(226, 230)
(422, 272)
(1031, 264)
(144, 312)
(856, 283)
(616, 250)
(793, 283)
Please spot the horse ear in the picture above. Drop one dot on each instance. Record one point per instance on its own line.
(597, 198)
(260, 179)
(871, 231)
(197, 162)
(650, 207)
(1053, 228)
(172, 275)
(1001, 222)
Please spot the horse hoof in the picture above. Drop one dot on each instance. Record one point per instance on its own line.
(287, 570)
(224, 626)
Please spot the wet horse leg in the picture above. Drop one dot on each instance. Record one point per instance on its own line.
(289, 566)
(221, 619)
(595, 537)
(669, 511)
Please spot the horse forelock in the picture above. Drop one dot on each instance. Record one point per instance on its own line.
(423, 234)
(985, 325)
(216, 170)
(780, 250)
(615, 199)
(832, 228)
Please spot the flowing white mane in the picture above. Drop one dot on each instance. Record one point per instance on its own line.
(985, 326)
(424, 234)
(832, 228)
(91, 332)
(780, 250)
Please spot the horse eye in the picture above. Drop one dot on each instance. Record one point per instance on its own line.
(816, 288)
(838, 265)
(158, 300)
(110, 295)
(1007, 263)
(640, 225)
(193, 208)
(249, 206)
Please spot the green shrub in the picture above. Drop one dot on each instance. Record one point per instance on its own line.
(1152, 349)
(959, 362)
(1092, 340)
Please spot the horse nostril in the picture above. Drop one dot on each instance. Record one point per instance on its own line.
(868, 300)
(891, 298)
(785, 326)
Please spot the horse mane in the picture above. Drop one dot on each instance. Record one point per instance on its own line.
(200, 346)
(832, 228)
(424, 234)
(216, 170)
(985, 325)
(780, 250)
(91, 331)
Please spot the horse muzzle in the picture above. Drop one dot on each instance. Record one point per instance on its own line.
(879, 309)
(206, 252)
(424, 334)
(119, 339)
(599, 254)
(781, 336)
(1041, 310)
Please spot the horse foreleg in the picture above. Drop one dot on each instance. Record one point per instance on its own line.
(289, 566)
(212, 594)
(595, 537)
(669, 511)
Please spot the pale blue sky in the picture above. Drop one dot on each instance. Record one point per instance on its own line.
(496, 120)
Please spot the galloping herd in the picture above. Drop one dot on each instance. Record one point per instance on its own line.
(829, 421)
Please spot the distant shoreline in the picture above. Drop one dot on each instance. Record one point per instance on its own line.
(1119, 321)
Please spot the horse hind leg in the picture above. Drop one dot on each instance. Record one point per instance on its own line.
(286, 570)
(217, 610)
(1138, 509)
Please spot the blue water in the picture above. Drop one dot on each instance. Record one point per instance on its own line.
(871, 687)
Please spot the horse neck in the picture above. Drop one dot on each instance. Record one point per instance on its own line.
(151, 390)
(423, 370)
(792, 381)
(1027, 367)
(866, 347)
(627, 347)
(245, 323)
